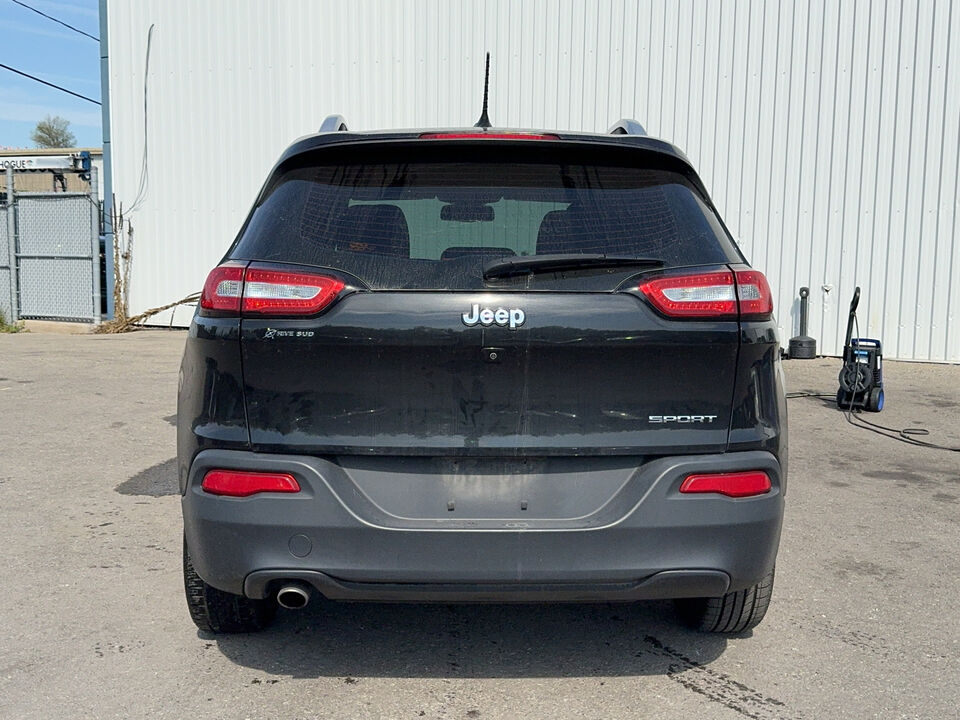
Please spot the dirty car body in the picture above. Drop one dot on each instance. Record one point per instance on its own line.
(482, 366)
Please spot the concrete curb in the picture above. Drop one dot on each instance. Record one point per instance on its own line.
(57, 327)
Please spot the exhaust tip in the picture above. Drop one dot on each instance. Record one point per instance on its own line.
(293, 596)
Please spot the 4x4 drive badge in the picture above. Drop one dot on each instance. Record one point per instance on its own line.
(512, 318)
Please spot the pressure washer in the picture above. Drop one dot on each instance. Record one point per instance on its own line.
(861, 377)
(861, 386)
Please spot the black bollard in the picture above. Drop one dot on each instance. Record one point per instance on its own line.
(803, 347)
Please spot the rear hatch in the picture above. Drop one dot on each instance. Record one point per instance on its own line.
(494, 297)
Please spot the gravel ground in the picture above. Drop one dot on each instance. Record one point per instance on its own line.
(864, 619)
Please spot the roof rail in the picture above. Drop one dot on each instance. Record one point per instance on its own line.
(626, 126)
(333, 123)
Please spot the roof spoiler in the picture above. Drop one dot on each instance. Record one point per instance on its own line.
(333, 123)
(626, 126)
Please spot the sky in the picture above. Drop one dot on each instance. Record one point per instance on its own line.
(43, 48)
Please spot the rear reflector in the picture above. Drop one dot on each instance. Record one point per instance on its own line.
(277, 292)
(222, 290)
(237, 483)
(724, 294)
(487, 136)
(737, 484)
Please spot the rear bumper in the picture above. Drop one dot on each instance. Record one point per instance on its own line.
(640, 540)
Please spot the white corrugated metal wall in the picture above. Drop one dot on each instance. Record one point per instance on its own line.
(826, 131)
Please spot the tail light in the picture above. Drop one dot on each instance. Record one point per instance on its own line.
(276, 292)
(725, 294)
(704, 295)
(233, 288)
(222, 290)
(756, 300)
(735, 484)
(238, 483)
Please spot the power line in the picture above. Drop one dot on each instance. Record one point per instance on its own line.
(61, 22)
(62, 89)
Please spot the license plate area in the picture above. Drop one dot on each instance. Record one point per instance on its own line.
(521, 489)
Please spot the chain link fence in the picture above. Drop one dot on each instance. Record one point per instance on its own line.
(54, 256)
(6, 256)
(50, 256)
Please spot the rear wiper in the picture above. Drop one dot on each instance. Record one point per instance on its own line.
(555, 262)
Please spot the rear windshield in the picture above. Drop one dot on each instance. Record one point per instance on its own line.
(424, 222)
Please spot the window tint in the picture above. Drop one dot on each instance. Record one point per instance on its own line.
(433, 225)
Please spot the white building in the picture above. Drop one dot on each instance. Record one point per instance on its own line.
(825, 130)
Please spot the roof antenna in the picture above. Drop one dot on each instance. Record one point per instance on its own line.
(484, 121)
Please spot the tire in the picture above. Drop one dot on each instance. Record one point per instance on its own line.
(216, 611)
(875, 401)
(735, 612)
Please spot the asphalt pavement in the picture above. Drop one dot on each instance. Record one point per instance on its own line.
(864, 620)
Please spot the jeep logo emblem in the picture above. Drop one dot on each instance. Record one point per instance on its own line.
(512, 318)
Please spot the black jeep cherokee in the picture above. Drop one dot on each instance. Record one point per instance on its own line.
(482, 365)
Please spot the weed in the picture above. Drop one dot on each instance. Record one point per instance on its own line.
(6, 327)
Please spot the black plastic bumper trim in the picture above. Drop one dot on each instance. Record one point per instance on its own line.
(662, 585)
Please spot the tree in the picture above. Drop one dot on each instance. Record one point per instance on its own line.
(53, 132)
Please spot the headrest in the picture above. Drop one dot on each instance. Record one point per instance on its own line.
(374, 229)
(564, 231)
(644, 227)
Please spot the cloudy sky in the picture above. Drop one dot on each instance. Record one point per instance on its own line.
(41, 47)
